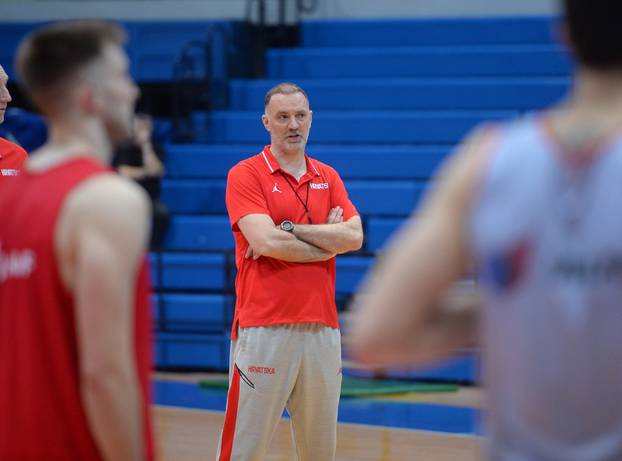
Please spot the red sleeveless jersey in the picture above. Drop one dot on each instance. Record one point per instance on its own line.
(41, 413)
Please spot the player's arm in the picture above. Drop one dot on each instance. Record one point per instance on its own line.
(404, 314)
(266, 239)
(334, 237)
(106, 231)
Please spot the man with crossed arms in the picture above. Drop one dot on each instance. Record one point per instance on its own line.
(290, 217)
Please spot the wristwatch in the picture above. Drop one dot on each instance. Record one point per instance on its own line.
(287, 226)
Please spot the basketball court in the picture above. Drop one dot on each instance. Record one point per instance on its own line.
(414, 426)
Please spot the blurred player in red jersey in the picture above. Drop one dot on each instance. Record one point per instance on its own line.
(74, 313)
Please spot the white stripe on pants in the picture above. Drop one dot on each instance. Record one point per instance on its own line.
(293, 366)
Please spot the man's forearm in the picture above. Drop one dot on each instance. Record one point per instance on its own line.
(286, 247)
(335, 238)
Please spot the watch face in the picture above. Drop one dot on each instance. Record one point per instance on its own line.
(287, 226)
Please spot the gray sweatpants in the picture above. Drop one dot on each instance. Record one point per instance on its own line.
(293, 366)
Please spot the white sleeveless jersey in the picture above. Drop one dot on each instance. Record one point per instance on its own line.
(548, 239)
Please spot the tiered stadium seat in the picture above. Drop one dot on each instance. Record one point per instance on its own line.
(391, 99)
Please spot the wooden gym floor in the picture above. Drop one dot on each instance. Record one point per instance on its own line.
(418, 427)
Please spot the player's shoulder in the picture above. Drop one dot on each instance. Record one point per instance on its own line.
(482, 135)
(7, 147)
(474, 151)
(458, 179)
(6, 144)
(109, 194)
(248, 166)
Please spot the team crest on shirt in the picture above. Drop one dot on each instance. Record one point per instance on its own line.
(318, 185)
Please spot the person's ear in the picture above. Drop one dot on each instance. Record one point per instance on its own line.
(88, 99)
(266, 122)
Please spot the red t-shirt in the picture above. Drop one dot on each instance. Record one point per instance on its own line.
(270, 291)
(42, 415)
(12, 157)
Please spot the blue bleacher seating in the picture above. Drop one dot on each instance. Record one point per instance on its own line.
(194, 196)
(192, 351)
(356, 162)
(378, 198)
(201, 233)
(458, 61)
(209, 272)
(153, 46)
(190, 271)
(391, 98)
(411, 93)
(418, 32)
(182, 312)
(464, 368)
(11, 34)
(379, 230)
(363, 127)
(350, 272)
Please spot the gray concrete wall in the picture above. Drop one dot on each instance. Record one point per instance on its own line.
(367, 9)
(37, 10)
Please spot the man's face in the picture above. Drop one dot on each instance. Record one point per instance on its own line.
(5, 96)
(116, 93)
(288, 119)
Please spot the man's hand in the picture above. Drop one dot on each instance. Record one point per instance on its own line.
(335, 215)
(251, 254)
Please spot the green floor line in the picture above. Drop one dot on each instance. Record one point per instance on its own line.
(361, 387)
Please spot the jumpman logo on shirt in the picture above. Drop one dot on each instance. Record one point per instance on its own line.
(276, 189)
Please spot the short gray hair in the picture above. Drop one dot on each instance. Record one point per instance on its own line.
(283, 88)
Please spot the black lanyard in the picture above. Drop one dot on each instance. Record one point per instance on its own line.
(305, 203)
